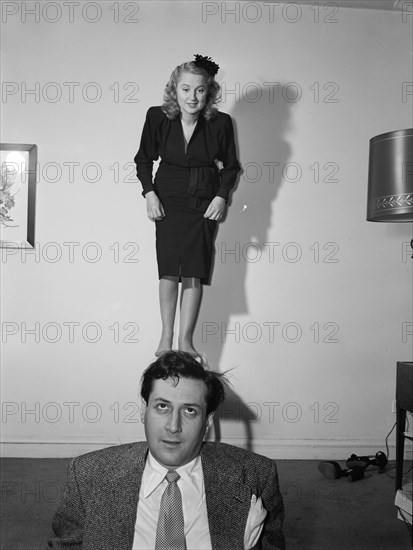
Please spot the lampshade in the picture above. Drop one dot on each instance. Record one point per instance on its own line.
(390, 192)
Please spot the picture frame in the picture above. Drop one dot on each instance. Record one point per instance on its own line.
(18, 162)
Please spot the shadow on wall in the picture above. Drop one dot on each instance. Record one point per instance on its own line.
(259, 128)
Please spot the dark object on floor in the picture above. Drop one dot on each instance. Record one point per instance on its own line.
(380, 460)
(332, 470)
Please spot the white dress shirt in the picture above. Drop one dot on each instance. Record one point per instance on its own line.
(191, 485)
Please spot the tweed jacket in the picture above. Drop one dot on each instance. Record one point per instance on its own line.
(98, 508)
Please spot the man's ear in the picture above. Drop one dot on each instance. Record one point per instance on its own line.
(209, 421)
(143, 410)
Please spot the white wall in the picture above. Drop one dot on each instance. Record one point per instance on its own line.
(315, 317)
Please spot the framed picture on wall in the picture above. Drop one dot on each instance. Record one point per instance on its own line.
(17, 195)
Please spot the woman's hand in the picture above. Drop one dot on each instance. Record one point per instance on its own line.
(216, 209)
(154, 207)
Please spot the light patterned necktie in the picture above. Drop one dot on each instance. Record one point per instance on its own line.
(170, 530)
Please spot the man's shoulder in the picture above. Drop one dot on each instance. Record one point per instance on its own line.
(233, 454)
(114, 452)
(117, 458)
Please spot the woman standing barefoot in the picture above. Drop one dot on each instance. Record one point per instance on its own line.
(188, 197)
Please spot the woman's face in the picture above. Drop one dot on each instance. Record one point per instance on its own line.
(191, 93)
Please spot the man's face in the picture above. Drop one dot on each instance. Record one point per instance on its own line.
(176, 420)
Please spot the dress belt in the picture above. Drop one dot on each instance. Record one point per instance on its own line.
(201, 180)
(202, 183)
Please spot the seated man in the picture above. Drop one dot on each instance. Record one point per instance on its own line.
(172, 492)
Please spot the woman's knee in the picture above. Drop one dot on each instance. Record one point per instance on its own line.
(191, 282)
(168, 279)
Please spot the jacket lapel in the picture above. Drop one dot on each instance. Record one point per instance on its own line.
(119, 496)
(227, 496)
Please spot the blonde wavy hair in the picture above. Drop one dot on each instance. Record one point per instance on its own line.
(170, 104)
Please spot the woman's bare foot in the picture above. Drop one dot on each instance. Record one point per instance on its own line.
(164, 345)
(160, 352)
(188, 348)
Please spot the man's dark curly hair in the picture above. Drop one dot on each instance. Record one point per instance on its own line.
(174, 364)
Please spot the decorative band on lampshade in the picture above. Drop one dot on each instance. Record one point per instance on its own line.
(390, 192)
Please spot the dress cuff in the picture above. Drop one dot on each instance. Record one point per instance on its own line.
(223, 194)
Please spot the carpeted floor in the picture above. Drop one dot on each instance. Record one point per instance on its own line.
(320, 514)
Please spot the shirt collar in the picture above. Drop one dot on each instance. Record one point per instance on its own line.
(155, 473)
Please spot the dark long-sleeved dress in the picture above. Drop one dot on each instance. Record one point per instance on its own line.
(186, 182)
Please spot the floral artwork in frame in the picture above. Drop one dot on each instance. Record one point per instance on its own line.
(17, 195)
